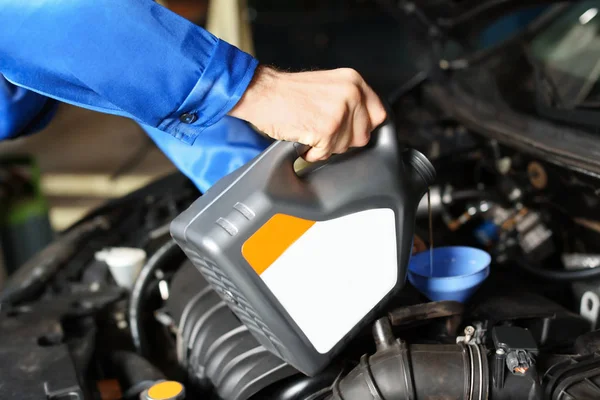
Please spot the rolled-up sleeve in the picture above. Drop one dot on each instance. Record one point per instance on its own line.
(127, 57)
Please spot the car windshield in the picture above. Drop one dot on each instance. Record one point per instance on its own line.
(568, 50)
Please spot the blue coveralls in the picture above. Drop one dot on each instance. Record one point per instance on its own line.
(132, 58)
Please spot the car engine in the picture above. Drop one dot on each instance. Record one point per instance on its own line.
(514, 178)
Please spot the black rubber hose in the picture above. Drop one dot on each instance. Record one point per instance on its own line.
(301, 387)
(162, 257)
(468, 194)
(474, 194)
(434, 371)
(32, 276)
(170, 183)
(82, 347)
(134, 372)
(554, 275)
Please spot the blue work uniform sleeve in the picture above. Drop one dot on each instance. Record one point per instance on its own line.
(22, 111)
(133, 58)
(225, 146)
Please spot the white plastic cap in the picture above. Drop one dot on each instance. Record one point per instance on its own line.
(124, 263)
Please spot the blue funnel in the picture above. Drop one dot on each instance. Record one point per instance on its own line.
(456, 274)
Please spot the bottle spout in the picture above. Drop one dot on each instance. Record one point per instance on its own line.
(421, 172)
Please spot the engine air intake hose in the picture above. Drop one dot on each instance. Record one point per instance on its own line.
(401, 371)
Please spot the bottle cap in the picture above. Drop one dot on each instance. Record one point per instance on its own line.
(124, 263)
(166, 390)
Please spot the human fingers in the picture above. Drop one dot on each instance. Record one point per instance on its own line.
(376, 110)
(315, 154)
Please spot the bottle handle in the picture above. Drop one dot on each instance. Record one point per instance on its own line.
(283, 154)
(384, 136)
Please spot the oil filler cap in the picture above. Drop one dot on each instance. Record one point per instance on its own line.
(166, 390)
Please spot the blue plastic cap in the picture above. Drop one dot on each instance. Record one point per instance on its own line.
(457, 272)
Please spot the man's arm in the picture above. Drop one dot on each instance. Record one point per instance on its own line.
(138, 59)
(133, 58)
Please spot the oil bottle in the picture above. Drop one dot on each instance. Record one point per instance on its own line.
(306, 259)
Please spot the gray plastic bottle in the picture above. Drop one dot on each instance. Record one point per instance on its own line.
(306, 260)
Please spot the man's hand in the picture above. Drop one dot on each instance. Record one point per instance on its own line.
(330, 111)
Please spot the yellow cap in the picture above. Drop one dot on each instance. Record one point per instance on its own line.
(166, 390)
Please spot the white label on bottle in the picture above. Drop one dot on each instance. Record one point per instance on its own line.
(335, 273)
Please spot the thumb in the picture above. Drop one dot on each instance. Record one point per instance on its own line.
(315, 154)
(375, 108)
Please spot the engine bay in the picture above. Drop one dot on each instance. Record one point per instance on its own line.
(512, 181)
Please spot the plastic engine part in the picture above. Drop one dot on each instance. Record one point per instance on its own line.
(577, 378)
(401, 371)
(214, 346)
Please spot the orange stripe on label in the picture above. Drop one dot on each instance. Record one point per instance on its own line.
(272, 239)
